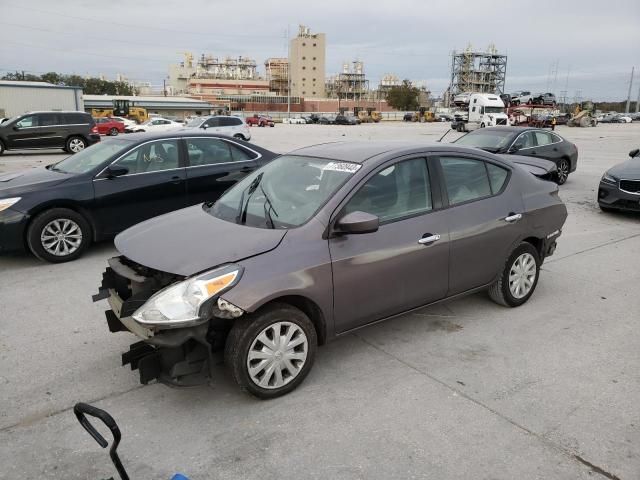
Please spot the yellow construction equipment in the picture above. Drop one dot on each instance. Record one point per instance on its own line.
(122, 108)
(369, 115)
(424, 115)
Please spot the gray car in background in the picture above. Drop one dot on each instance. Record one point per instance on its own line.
(322, 241)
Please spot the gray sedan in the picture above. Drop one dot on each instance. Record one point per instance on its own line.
(320, 242)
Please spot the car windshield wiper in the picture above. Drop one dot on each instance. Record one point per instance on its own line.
(241, 218)
(269, 209)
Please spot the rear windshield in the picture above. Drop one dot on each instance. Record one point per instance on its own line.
(490, 139)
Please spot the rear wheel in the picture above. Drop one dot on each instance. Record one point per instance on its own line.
(58, 235)
(270, 352)
(563, 171)
(113, 132)
(75, 144)
(1, 147)
(239, 136)
(519, 277)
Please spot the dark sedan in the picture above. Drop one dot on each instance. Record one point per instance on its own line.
(319, 242)
(620, 186)
(530, 142)
(58, 210)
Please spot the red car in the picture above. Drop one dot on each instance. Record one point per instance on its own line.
(109, 126)
(260, 120)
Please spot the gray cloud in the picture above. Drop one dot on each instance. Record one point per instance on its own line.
(596, 41)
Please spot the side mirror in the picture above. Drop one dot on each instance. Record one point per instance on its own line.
(114, 171)
(634, 152)
(358, 222)
(515, 148)
(16, 128)
(203, 126)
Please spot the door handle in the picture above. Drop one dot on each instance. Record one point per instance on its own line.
(429, 239)
(246, 169)
(176, 180)
(514, 217)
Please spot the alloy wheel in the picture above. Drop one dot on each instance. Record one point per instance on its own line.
(522, 275)
(277, 355)
(563, 171)
(61, 237)
(76, 145)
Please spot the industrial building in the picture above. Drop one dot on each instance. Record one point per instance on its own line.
(350, 84)
(277, 70)
(18, 97)
(178, 107)
(479, 72)
(307, 64)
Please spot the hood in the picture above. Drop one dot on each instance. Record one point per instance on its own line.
(17, 183)
(628, 170)
(190, 240)
(537, 166)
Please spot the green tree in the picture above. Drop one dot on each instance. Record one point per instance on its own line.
(403, 97)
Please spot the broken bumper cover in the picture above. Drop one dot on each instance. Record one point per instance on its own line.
(177, 357)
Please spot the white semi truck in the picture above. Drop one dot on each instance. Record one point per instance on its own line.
(478, 110)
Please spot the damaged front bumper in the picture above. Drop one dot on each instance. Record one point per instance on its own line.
(179, 356)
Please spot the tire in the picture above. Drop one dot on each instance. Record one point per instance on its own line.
(482, 125)
(563, 171)
(244, 339)
(239, 136)
(501, 292)
(113, 132)
(1, 147)
(530, 102)
(75, 144)
(51, 222)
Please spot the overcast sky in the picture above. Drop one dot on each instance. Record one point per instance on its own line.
(594, 43)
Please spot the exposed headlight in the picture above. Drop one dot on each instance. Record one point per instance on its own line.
(7, 202)
(183, 303)
(609, 179)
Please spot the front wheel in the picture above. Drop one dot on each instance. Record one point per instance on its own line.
(239, 136)
(519, 278)
(1, 147)
(563, 171)
(58, 235)
(75, 144)
(270, 352)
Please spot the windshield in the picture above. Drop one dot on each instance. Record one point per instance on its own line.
(283, 194)
(492, 140)
(195, 122)
(493, 110)
(91, 157)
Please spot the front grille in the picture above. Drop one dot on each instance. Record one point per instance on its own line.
(630, 186)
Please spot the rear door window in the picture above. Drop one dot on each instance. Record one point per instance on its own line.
(543, 138)
(208, 151)
(47, 119)
(466, 179)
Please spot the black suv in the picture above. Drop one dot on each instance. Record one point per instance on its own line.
(71, 131)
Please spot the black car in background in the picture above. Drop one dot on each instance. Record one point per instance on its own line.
(620, 185)
(529, 142)
(345, 120)
(58, 210)
(71, 131)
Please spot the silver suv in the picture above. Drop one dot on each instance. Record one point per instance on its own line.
(223, 125)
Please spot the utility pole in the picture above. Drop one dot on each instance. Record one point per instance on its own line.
(288, 74)
(626, 109)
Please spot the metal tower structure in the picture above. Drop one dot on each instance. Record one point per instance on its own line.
(479, 72)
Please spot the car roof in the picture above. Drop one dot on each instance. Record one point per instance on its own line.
(55, 111)
(362, 151)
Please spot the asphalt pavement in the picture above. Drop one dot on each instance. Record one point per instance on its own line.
(465, 389)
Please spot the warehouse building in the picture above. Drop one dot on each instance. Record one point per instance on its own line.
(17, 97)
(175, 107)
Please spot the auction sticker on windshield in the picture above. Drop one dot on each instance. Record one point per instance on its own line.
(342, 167)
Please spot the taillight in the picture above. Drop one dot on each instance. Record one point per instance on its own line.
(94, 129)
